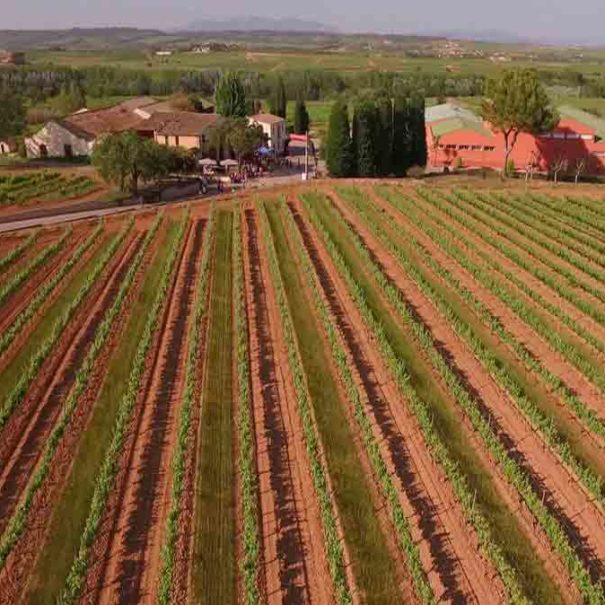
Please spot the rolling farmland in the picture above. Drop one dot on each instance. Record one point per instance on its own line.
(345, 392)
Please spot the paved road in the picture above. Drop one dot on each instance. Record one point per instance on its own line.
(46, 219)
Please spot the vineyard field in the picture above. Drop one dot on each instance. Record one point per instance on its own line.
(344, 392)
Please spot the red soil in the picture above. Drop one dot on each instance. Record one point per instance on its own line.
(293, 561)
(16, 574)
(24, 435)
(547, 471)
(532, 341)
(132, 561)
(448, 547)
(28, 289)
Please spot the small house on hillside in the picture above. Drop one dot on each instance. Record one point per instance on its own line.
(60, 139)
(8, 145)
(275, 130)
(12, 58)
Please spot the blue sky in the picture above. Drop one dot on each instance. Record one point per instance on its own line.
(579, 20)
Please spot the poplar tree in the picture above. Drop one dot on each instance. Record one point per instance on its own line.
(366, 127)
(339, 151)
(230, 96)
(301, 117)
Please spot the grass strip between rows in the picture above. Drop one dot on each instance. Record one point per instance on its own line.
(110, 466)
(24, 381)
(437, 447)
(213, 577)
(333, 544)
(389, 489)
(26, 314)
(249, 565)
(165, 581)
(27, 271)
(18, 521)
(585, 414)
(593, 593)
(8, 259)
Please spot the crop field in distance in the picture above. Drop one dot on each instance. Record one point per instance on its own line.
(346, 392)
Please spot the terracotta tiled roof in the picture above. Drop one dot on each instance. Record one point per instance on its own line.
(180, 123)
(104, 121)
(266, 118)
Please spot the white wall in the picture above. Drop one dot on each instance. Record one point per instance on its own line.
(55, 137)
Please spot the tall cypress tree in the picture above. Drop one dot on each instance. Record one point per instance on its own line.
(301, 117)
(339, 151)
(230, 96)
(419, 151)
(384, 135)
(365, 139)
(279, 99)
(401, 149)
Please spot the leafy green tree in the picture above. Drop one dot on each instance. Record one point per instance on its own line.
(126, 160)
(301, 117)
(366, 127)
(516, 102)
(279, 99)
(244, 139)
(12, 113)
(230, 96)
(339, 148)
(72, 97)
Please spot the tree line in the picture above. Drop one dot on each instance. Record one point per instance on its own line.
(385, 136)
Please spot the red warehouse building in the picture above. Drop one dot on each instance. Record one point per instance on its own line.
(457, 138)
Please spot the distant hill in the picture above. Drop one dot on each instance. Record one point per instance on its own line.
(80, 38)
(249, 24)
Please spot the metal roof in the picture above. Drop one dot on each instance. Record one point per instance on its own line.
(448, 111)
(588, 119)
(452, 125)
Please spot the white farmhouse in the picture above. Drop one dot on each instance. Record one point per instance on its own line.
(274, 128)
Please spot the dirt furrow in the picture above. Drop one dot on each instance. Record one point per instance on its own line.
(319, 586)
(24, 436)
(449, 548)
(286, 574)
(575, 381)
(580, 515)
(133, 559)
(26, 292)
(14, 576)
(540, 287)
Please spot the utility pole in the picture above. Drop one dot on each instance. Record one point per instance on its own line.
(306, 177)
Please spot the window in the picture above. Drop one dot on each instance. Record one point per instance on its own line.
(573, 136)
(68, 151)
(43, 151)
(587, 137)
(450, 147)
(489, 148)
(558, 135)
(476, 148)
(464, 147)
(546, 135)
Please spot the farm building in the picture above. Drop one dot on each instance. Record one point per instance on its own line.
(457, 138)
(12, 58)
(179, 128)
(274, 128)
(8, 145)
(76, 134)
